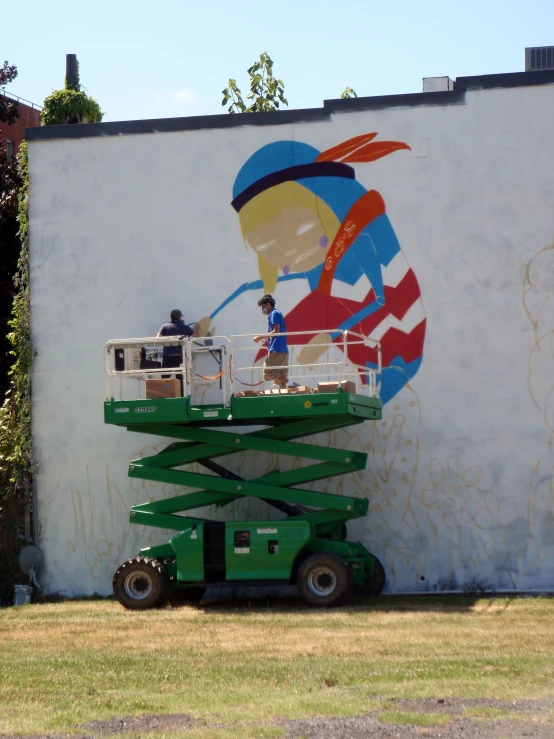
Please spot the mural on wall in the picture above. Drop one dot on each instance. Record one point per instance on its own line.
(480, 532)
(538, 303)
(307, 218)
(434, 522)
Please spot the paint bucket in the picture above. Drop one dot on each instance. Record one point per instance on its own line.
(22, 595)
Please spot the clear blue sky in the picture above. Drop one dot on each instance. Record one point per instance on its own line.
(173, 57)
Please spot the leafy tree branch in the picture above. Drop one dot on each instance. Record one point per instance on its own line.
(266, 91)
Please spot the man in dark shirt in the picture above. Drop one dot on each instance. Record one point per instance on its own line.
(173, 355)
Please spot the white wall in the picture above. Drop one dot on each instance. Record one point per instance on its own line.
(125, 228)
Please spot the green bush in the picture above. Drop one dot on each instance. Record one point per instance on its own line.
(70, 106)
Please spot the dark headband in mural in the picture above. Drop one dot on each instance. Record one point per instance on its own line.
(290, 174)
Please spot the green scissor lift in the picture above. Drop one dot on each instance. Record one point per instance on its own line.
(306, 545)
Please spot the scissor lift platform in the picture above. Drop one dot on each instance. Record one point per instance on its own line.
(264, 409)
(306, 543)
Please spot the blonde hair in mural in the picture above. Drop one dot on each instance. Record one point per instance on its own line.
(269, 206)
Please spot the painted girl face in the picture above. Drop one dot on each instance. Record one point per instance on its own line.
(294, 240)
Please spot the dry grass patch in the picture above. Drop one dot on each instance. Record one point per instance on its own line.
(62, 665)
(256, 731)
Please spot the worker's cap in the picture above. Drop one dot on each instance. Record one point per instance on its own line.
(176, 314)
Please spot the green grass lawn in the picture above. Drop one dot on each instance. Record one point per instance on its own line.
(65, 664)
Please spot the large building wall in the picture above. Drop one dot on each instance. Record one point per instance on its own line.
(131, 220)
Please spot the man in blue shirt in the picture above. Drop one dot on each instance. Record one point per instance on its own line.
(278, 351)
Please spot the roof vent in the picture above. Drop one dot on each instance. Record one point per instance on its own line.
(539, 57)
(437, 84)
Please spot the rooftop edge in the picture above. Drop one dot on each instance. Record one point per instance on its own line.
(302, 115)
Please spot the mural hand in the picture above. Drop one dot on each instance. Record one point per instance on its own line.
(314, 349)
(202, 328)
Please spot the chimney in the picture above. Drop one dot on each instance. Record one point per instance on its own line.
(71, 72)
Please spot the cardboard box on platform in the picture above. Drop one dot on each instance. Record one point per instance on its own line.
(304, 389)
(332, 387)
(328, 387)
(170, 388)
(348, 386)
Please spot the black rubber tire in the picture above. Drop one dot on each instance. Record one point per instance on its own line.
(375, 584)
(140, 583)
(324, 580)
(187, 595)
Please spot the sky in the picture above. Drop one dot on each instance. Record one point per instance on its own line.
(172, 58)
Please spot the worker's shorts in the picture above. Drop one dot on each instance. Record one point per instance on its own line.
(276, 359)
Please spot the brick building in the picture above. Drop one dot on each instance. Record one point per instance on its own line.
(12, 135)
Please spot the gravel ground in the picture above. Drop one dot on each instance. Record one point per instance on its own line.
(118, 725)
(538, 721)
(369, 726)
(123, 725)
(530, 718)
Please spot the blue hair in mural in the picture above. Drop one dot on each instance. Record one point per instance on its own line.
(307, 218)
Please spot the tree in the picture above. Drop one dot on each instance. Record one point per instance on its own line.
(266, 91)
(8, 108)
(10, 182)
(348, 93)
(14, 507)
(9, 179)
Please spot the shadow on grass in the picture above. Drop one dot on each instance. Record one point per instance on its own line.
(383, 604)
(245, 601)
(248, 603)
